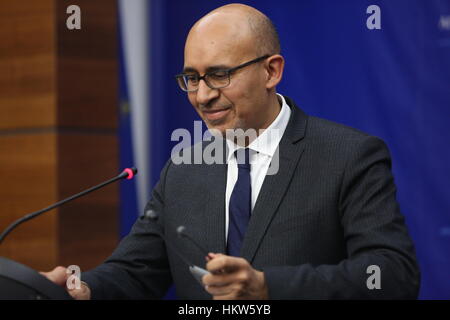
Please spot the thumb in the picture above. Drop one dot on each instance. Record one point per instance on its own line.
(58, 275)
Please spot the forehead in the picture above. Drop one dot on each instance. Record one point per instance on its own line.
(202, 58)
(216, 43)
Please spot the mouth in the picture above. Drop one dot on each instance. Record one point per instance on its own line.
(216, 114)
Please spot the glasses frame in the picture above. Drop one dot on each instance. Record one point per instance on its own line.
(180, 77)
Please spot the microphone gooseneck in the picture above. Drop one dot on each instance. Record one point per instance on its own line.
(197, 272)
(128, 173)
(152, 215)
(181, 231)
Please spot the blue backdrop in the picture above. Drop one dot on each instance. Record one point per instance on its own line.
(392, 82)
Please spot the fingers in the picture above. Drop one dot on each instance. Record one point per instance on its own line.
(228, 277)
(58, 275)
(227, 283)
(235, 288)
(80, 294)
(210, 256)
(233, 278)
(220, 263)
(219, 279)
(231, 292)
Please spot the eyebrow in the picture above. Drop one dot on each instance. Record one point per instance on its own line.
(209, 69)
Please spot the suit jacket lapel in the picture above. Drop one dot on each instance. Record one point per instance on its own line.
(275, 186)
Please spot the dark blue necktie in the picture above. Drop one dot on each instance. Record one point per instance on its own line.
(240, 204)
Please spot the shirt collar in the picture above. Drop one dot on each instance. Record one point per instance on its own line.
(267, 142)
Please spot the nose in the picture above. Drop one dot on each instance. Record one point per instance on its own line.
(205, 94)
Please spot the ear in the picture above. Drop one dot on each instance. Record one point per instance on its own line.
(274, 69)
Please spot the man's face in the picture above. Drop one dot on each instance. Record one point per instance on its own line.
(242, 103)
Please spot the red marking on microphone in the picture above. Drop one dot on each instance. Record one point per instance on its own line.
(130, 173)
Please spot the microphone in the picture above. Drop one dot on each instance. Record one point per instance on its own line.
(182, 234)
(127, 173)
(196, 271)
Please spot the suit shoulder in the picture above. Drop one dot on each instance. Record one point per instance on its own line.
(319, 127)
(333, 136)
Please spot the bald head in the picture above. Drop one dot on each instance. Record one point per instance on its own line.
(240, 24)
(224, 47)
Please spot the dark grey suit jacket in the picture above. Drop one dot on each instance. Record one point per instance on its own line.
(318, 224)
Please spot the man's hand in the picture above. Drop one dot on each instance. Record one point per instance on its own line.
(59, 275)
(233, 278)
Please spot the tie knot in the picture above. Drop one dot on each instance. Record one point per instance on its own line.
(243, 158)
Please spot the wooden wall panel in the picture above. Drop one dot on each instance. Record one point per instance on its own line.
(87, 119)
(27, 139)
(28, 183)
(27, 64)
(89, 225)
(87, 66)
(58, 123)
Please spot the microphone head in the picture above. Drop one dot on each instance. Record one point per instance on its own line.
(128, 173)
(180, 231)
(151, 214)
(131, 172)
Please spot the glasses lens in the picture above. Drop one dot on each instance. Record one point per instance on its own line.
(182, 83)
(188, 82)
(191, 81)
(215, 80)
(219, 79)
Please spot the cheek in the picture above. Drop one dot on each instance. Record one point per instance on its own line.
(247, 100)
(239, 94)
(242, 101)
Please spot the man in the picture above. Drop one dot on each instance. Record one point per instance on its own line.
(312, 230)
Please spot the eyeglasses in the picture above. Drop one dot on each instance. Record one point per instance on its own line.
(217, 79)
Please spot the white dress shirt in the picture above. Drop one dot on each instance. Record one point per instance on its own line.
(263, 147)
